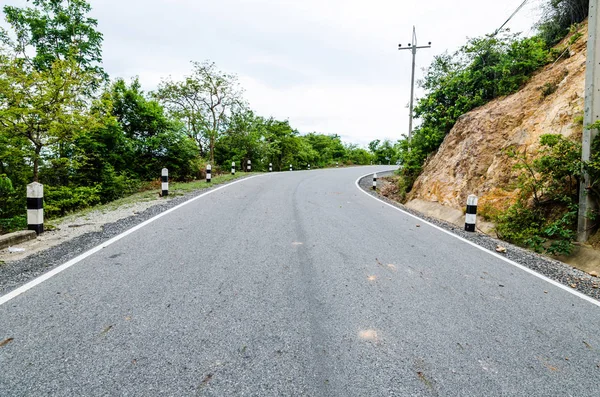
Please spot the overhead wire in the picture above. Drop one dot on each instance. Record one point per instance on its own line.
(511, 17)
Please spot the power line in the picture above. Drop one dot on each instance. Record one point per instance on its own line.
(511, 17)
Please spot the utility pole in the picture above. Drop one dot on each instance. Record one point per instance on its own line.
(591, 115)
(413, 47)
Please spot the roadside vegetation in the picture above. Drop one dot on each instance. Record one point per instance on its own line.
(91, 139)
(544, 217)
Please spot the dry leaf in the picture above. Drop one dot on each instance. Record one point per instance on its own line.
(500, 249)
(6, 341)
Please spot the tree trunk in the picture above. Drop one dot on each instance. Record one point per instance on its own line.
(36, 162)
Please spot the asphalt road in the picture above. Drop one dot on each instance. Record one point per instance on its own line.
(294, 284)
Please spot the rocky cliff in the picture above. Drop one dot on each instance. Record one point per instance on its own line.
(471, 158)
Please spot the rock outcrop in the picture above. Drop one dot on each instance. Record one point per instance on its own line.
(472, 158)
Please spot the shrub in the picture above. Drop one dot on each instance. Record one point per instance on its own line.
(61, 200)
(545, 214)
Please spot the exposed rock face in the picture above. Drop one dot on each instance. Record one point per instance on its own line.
(471, 159)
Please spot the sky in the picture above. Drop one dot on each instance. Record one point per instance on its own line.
(328, 66)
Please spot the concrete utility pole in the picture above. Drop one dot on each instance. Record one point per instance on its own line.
(413, 47)
(591, 115)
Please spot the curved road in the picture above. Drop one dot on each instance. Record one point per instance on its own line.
(293, 284)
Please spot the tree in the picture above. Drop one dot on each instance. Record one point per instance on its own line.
(204, 102)
(45, 107)
(154, 141)
(56, 30)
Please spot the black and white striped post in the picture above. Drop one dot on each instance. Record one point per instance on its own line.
(270, 167)
(309, 167)
(208, 173)
(233, 168)
(165, 182)
(249, 166)
(471, 216)
(291, 169)
(35, 207)
(375, 181)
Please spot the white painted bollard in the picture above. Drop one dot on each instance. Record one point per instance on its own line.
(336, 165)
(208, 173)
(233, 168)
(291, 169)
(165, 182)
(375, 181)
(35, 207)
(309, 167)
(270, 167)
(249, 166)
(471, 215)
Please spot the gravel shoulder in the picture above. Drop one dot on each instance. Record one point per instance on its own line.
(553, 269)
(76, 234)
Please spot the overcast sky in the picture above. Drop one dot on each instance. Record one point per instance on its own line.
(330, 66)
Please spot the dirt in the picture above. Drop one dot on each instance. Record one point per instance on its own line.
(472, 159)
(73, 226)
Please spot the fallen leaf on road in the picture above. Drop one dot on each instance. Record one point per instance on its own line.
(587, 345)
(6, 341)
(372, 278)
(105, 331)
(418, 225)
(500, 249)
(573, 285)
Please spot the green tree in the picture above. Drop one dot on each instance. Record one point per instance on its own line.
(56, 30)
(203, 102)
(45, 107)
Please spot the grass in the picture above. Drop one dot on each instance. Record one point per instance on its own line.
(181, 188)
(151, 194)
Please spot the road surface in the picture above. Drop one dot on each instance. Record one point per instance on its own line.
(296, 284)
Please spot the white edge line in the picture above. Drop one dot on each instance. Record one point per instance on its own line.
(524, 268)
(24, 288)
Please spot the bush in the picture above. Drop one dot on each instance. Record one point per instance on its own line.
(545, 215)
(559, 16)
(485, 68)
(59, 201)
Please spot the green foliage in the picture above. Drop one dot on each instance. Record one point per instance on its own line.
(558, 17)
(56, 30)
(545, 214)
(61, 200)
(548, 89)
(90, 142)
(485, 68)
(203, 103)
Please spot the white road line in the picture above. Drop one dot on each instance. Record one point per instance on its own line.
(526, 269)
(13, 294)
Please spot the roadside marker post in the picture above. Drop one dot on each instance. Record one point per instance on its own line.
(208, 173)
(375, 181)
(165, 182)
(309, 167)
(270, 167)
(249, 165)
(233, 168)
(35, 207)
(471, 215)
(337, 165)
(291, 169)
